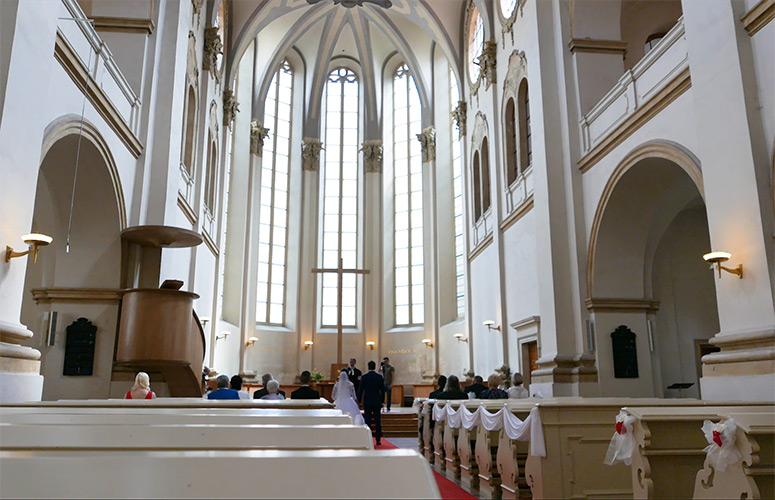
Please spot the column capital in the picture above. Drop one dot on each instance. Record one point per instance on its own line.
(372, 155)
(428, 141)
(257, 135)
(459, 115)
(310, 153)
(230, 107)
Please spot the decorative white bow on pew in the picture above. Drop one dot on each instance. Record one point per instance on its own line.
(530, 429)
(622, 442)
(721, 447)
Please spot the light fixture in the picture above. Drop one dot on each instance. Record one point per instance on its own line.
(222, 336)
(204, 320)
(370, 344)
(427, 342)
(34, 240)
(251, 341)
(460, 337)
(308, 344)
(716, 258)
(488, 323)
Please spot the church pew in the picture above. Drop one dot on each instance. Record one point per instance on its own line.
(753, 476)
(216, 474)
(183, 402)
(183, 437)
(277, 412)
(669, 446)
(426, 417)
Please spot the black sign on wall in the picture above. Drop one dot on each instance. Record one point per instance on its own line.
(625, 353)
(79, 348)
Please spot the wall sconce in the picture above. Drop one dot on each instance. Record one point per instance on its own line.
(204, 322)
(427, 342)
(488, 323)
(716, 258)
(460, 337)
(308, 344)
(251, 341)
(34, 240)
(370, 344)
(222, 336)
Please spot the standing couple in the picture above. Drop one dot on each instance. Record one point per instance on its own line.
(371, 391)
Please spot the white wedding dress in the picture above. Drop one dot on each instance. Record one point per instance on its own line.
(344, 399)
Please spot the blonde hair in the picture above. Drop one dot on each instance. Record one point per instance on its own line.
(142, 381)
(493, 380)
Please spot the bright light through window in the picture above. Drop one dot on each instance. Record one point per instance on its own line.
(407, 167)
(475, 43)
(507, 7)
(457, 187)
(340, 195)
(273, 201)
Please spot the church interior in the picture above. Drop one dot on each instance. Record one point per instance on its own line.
(466, 187)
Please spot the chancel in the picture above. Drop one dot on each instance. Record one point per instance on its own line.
(527, 191)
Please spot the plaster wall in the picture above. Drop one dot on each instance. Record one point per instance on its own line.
(487, 345)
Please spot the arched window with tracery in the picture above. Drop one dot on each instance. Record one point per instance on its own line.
(408, 203)
(211, 172)
(525, 135)
(189, 129)
(475, 43)
(485, 176)
(512, 171)
(457, 190)
(273, 199)
(340, 195)
(477, 187)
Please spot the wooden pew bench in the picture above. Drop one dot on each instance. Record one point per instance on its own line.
(427, 426)
(215, 474)
(753, 476)
(183, 437)
(669, 446)
(183, 402)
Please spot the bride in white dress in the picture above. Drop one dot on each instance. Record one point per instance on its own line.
(344, 399)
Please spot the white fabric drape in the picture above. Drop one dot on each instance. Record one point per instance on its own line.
(623, 441)
(721, 447)
(529, 429)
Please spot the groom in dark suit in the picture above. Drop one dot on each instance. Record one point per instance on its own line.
(305, 391)
(370, 393)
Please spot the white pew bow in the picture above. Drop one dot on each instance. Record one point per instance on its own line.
(622, 442)
(531, 429)
(721, 447)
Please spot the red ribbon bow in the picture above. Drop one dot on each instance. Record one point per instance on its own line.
(621, 429)
(717, 437)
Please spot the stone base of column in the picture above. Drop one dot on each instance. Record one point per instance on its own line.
(20, 378)
(744, 369)
(563, 376)
(20, 387)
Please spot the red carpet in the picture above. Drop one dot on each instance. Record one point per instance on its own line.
(447, 488)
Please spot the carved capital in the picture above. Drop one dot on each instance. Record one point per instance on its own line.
(310, 153)
(213, 49)
(372, 155)
(428, 141)
(257, 135)
(486, 62)
(459, 114)
(197, 4)
(230, 107)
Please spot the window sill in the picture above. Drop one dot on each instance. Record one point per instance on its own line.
(345, 330)
(406, 329)
(273, 328)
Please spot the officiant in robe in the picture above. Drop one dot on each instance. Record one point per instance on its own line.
(354, 374)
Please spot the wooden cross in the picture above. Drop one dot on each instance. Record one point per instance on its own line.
(340, 271)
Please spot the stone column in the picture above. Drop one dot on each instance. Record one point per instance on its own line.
(722, 86)
(431, 268)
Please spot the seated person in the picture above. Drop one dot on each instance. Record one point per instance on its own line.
(223, 391)
(452, 391)
(266, 377)
(477, 387)
(142, 388)
(272, 387)
(492, 391)
(517, 391)
(236, 384)
(305, 391)
(442, 383)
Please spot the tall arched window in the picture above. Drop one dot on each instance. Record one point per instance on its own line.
(525, 142)
(507, 7)
(457, 190)
(210, 174)
(408, 215)
(485, 176)
(475, 43)
(512, 171)
(477, 187)
(273, 200)
(340, 195)
(189, 128)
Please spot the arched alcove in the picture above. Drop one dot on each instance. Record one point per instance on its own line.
(647, 272)
(79, 281)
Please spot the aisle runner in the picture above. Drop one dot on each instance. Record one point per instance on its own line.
(447, 488)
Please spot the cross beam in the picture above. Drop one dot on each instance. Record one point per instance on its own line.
(340, 271)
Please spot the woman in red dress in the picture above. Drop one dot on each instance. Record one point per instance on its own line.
(142, 388)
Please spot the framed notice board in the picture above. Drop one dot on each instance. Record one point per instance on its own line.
(79, 348)
(625, 353)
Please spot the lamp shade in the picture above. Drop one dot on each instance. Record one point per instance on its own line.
(37, 239)
(717, 256)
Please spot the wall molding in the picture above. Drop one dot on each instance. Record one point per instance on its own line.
(640, 117)
(209, 242)
(79, 74)
(480, 247)
(526, 322)
(628, 305)
(597, 46)
(78, 295)
(525, 207)
(124, 24)
(186, 208)
(759, 16)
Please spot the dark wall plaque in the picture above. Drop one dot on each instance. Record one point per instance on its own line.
(79, 348)
(625, 353)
